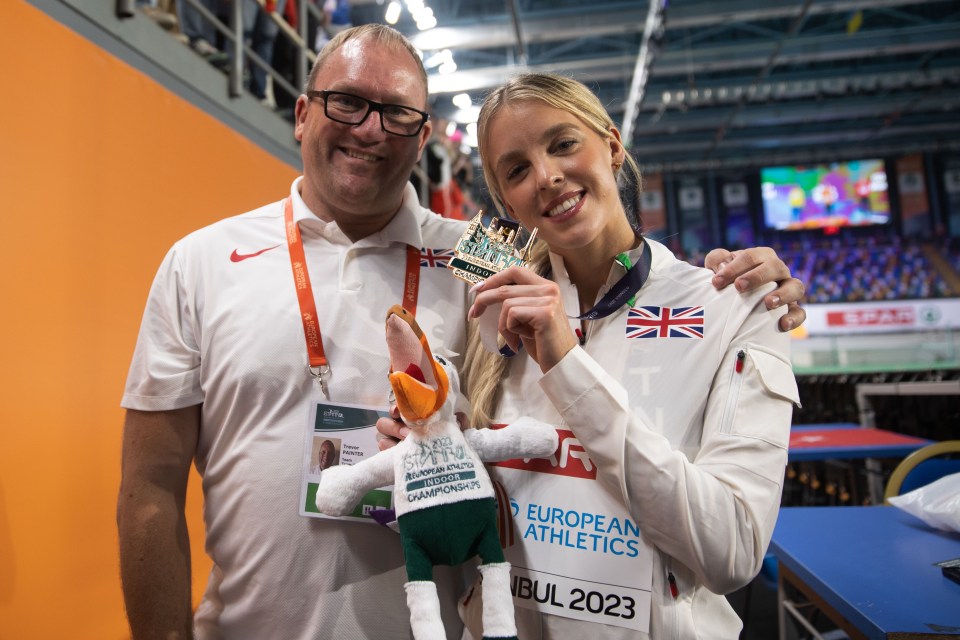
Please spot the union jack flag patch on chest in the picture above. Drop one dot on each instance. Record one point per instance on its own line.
(435, 257)
(664, 322)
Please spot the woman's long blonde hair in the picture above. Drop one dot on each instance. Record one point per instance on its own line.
(484, 371)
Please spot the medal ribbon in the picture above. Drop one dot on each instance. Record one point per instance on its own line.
(308, 306)
(623, 290)
(621, 293)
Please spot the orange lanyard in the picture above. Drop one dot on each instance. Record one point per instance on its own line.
(308, 307)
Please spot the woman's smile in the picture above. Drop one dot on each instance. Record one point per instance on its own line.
(568, 206)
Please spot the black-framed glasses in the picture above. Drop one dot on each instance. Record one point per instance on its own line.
(347, 108)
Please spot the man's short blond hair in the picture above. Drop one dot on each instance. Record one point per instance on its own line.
(379, 32)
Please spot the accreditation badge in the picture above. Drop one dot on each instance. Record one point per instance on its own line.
(340, 434)
(481, 252)
(575, 550)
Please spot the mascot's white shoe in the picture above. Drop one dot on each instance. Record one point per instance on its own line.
(424, 608)
(498, 621)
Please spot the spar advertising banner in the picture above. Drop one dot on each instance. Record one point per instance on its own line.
(882, 317)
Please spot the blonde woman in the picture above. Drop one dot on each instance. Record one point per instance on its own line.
(673, 399)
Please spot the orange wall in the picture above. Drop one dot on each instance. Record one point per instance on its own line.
(101, 169)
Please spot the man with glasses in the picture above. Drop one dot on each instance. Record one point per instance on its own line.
(350, 109)
(256, 324)
(225, 371)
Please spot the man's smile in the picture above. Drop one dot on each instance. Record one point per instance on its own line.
(361, 155)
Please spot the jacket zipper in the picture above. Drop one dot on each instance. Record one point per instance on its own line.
(674, 594)
(736, 380)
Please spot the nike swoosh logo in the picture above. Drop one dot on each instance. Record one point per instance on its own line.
(240, 257)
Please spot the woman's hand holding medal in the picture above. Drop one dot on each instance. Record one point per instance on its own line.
(531, 313)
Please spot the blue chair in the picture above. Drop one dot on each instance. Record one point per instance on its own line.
(922, 467)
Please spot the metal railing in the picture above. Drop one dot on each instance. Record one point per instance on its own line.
(241, 54)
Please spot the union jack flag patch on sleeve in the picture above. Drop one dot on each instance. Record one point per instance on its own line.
(664, 322)
(435, 257)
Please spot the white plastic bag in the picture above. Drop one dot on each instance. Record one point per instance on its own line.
(937, 504)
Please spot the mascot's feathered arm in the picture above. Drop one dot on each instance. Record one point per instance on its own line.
(524, 438)
(342, 487)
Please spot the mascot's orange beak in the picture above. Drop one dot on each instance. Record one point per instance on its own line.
(419, 382)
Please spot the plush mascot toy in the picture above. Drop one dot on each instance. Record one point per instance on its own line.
(446, 510)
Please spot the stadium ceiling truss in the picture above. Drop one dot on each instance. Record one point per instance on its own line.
(699, 84)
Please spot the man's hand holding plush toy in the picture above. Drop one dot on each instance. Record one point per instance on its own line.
(443, 496)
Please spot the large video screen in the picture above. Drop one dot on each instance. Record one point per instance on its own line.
(825, 196)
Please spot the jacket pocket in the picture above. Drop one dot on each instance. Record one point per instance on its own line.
(776, 375)
(760, 393)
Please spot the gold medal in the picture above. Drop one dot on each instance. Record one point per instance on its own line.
(482, 252)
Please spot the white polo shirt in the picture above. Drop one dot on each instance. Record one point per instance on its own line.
(222, 327)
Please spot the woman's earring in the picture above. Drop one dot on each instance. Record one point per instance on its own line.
(617, 165)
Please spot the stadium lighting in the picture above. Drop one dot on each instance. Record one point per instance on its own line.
(393, 13)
